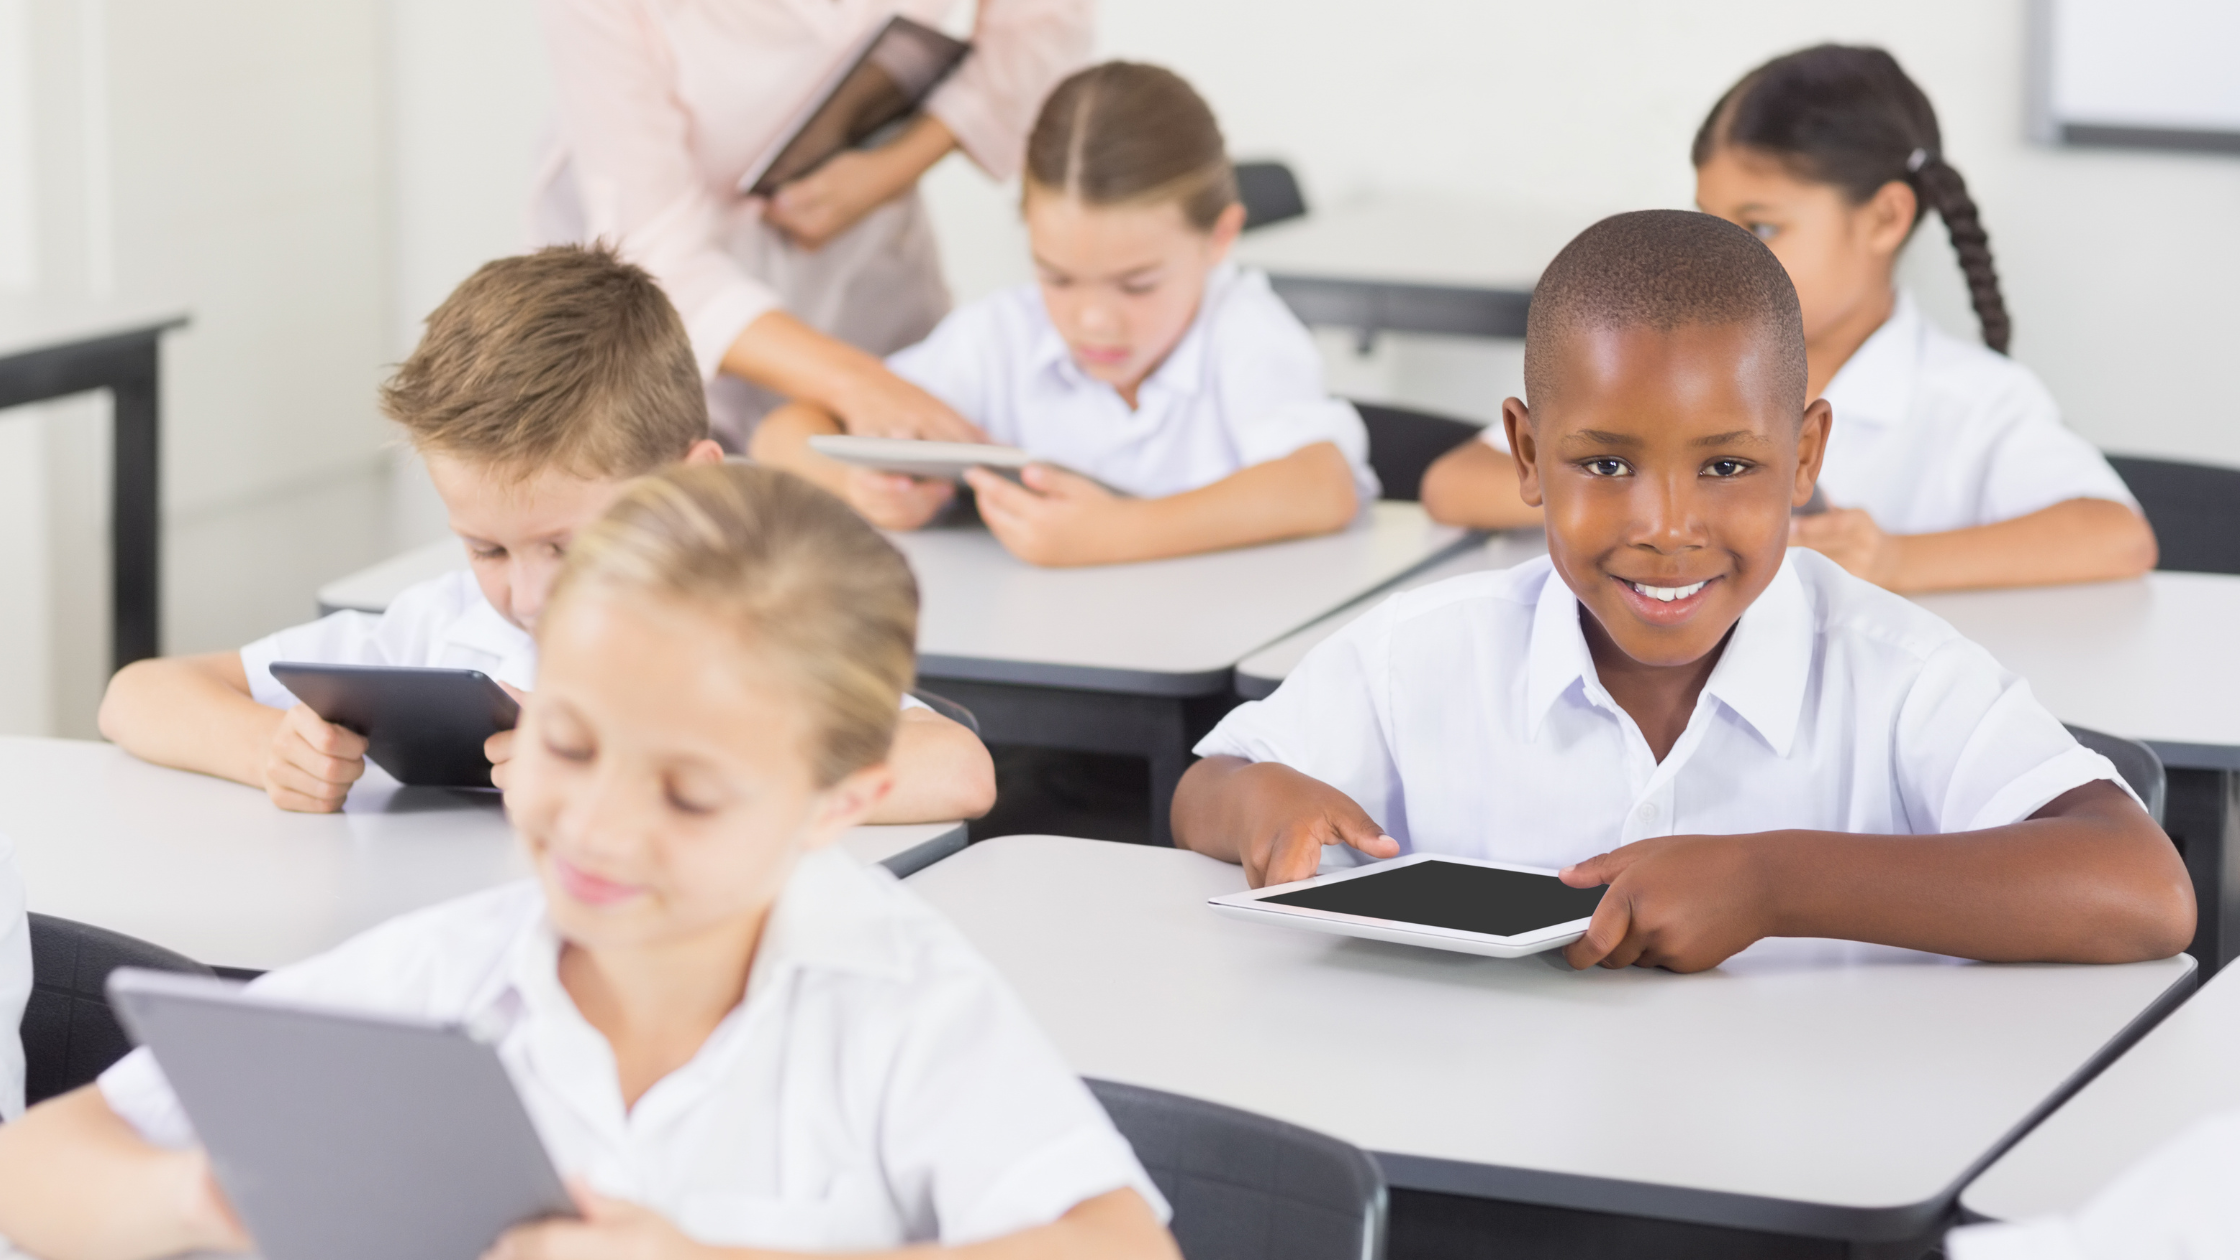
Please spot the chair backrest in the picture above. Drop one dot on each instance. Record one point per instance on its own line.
(1403, 443)
(2135, 761)
(1245, 1187)
(949, 709)
(70, 1035)
(2194, 508)
(1270, 193)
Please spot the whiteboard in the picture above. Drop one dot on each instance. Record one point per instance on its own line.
(2141, 73)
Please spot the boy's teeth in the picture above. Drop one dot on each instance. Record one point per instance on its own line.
(1667, 594)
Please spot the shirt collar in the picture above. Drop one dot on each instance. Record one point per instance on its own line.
(483, 628)
(1875, 386)
(1761, 676)
(1184, 370)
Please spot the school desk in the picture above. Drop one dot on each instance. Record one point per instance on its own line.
(211, 869)
(1410, 263)
(2185, 1070)
(1807, 1087)
(2149, 659)
(1137, 659)
(51, 350)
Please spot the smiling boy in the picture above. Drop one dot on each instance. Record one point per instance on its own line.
(1741, 740)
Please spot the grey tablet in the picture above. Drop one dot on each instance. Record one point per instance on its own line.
(935, 461)
(1459, 904)
(425, 726)
(343, 1136)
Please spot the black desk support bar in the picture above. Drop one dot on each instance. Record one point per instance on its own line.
(1374, 306)
(127, 365)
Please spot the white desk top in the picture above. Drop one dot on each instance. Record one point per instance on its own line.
(1414, 239)
(1167, 627)
(1838, 1089)
(2184, 1070)
(28, 324)
(210, 869)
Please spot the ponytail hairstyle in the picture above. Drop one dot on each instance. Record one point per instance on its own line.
(1125, 133)
(1850, 118)
(800, 581)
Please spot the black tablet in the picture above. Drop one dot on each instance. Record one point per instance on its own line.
(425, 726)
(888, 76)
(1461, 904)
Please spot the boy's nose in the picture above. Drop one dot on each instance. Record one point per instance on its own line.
(1666, 516)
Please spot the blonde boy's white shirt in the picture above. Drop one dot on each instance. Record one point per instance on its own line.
(1935, 433)
(444, 622)
(15, 984)
(1242, 387)
(2180, 1203)
(1467, 718)
(878, 1085)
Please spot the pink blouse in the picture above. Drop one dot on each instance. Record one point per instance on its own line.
(664, 104)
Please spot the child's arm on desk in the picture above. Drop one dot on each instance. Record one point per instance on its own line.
(78, 1183)
(2088, 879)
(195, 713)
(942, 772)
(887, 500)
(2080, 540)
(1475, 486)
(1059, 518)
(1269, 818)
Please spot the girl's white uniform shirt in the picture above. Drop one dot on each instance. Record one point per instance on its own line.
(1467, 718)
(2176, 1204)
(443, 622)
(1242, 387)
(878, 1085)
(15, 984)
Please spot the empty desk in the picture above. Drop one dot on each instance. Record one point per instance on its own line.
(212, 870)
(1806, 1087)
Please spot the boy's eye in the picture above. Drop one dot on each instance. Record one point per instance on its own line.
(1137, 288)
(1726, 467)
(1765, 231)
(1606, 466)
(487, 553)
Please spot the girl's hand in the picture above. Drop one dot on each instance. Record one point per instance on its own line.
(895, 501)
(830, 199)
(1684, 903)
(1850, 537)
(498, 749)
(1055, 518)
(610, 1229)
(311, 763)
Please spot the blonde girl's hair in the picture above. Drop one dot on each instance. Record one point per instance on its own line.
(1123, 133)
(804, 582)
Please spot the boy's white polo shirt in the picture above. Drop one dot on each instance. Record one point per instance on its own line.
(1935, 433)
(879, 1085)
(15, 983)
(1467, 718)
(1242, 387)
(443, 622)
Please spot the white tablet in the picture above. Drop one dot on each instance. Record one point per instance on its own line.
(1459, 904)
(935, 461)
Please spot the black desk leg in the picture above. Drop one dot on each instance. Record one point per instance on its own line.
(2203, 817)
(136, 556)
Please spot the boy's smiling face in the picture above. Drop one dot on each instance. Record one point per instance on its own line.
(1668, 462)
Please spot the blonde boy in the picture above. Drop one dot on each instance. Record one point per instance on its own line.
(542, 384)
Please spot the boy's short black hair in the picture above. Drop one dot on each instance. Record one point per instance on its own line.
(1662, 269)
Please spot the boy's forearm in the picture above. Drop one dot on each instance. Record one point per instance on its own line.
(1309, 491)
(1213, 809)
(1475, 486)
(2088, 880)
(942, 773)
(2081, 540)
(190, 713)
(76, 1183)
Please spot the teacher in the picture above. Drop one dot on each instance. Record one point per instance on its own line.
(665, 104)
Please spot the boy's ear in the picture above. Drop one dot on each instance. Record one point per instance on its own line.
(704, 451)
(1226, 230)
(1524, 447)
(1812, 447)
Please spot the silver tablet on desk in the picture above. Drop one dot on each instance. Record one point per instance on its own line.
(342, 1136)
(1451, 903)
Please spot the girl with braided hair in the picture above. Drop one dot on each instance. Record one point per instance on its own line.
(1948, 465)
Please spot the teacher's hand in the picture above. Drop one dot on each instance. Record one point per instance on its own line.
(830, 199)
(876, 403)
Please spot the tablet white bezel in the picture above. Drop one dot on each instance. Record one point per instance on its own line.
(1253, 906)
(914, 457)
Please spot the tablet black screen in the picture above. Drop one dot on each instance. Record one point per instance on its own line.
(1453, 895)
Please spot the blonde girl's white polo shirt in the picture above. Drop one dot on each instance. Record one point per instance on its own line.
(1242, 387)
(1467, 718)
(878, 1086)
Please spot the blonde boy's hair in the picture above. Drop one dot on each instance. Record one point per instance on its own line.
(802, 580)
(568, 357)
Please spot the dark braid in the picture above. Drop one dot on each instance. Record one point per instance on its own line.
(1849, 117)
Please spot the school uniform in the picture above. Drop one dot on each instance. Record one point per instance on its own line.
(1242, 387)
(877, 1086)
(2176, 1204)
(1467, 718)
(15, 983)
(1933, 433)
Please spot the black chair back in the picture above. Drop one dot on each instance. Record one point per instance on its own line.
(1245, 1187)
(2194, 508)
(1403, 443)
(70, 1035)
(949, 709)
(2135, 761)
(1270, 193)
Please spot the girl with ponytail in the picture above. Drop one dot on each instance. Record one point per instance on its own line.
(1949, 465)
